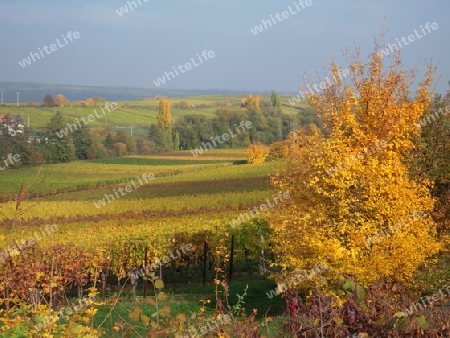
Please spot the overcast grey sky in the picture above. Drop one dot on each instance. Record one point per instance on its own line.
(135, 48)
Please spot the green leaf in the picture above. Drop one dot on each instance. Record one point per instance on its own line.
(159, 284)
(75, 329)
(41, 317)
(349, 285)
(360, 294)
(422, 322)
(18, 332)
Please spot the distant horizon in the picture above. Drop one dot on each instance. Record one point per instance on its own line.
(249, 91)
(34, 92)
(149, 88)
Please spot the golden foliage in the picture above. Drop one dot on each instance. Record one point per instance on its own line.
(281, 150)
(61, 100)
(332, 214)
(164, 116)
(90, 102)
(257, 153)
(252, 102)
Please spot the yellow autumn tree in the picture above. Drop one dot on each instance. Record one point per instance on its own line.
(253, 102)
(164, 116)
(281, 150)
(61, 100)
(90, 102)
(257, 153)
(354, 208)
(165, 121)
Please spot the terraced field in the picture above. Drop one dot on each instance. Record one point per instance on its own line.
(190, 200)
(183, 186)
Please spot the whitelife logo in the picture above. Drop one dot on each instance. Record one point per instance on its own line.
(352, 159)
(431, 299)
(145, 270)
(90, 118)
(217, 321)
(299, 276)
(12, 160)
(123, 10)
(285, 14)
(402, 224)
(53, 47)
(110, 198)
(62, 313)
(15, 250)
(187, 67)
(411, 38)
(247, 216)
(435, 116)
(225, 137)
(318, 88)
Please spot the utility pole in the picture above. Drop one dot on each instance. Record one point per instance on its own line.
(294, 127)
(262, 259)
(17, 94)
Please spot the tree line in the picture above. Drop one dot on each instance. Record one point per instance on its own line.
(269, 124)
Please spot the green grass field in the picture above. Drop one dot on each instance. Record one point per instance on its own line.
(186, 301)
(134, 113)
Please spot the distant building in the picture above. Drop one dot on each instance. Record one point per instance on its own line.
(15, 124)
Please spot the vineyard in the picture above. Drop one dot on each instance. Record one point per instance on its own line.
(190, 202)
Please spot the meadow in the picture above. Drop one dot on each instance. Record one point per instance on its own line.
(138, 114)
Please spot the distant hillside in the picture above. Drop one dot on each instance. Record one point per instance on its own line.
(34, 92)
(140, 113)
